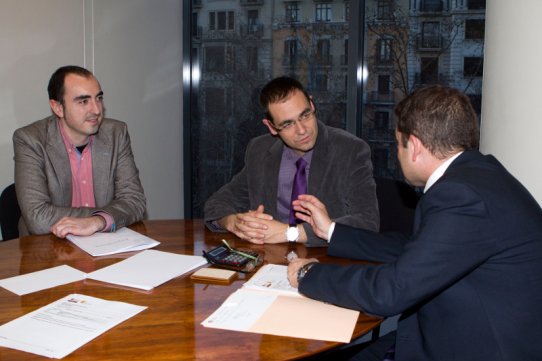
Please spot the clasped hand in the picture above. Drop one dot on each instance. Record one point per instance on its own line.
(255, 226)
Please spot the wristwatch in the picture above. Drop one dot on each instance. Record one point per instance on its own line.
(303, 271)
(292, 233)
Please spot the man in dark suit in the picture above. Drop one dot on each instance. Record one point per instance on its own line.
(468, 282)
(74, 171)
(255, 205)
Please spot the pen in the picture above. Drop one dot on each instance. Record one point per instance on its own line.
(239, 252)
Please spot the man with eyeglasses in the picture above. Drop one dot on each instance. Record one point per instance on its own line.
(256, 205)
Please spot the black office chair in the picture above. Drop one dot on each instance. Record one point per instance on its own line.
(397, 203)
(9, 213)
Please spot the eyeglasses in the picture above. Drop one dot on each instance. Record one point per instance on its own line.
(288, 124)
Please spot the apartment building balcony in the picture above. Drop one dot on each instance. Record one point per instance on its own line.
(433, 6)
(382, 64)
(289, 61)
(251, 2)
(327, 27)
(423, 79)
(322, 60)
(220, 35)
(380, 98)
(252, 30)
(196, 32)
(429, 43)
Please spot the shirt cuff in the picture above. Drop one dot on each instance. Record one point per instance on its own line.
(330, 231)
(109, 221)
(214, 226)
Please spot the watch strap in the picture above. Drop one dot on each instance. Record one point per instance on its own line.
(303, 271)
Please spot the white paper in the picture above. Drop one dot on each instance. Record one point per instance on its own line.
(61, 327)
(123, 240)
(272, 277)
(40, 280)
(240, 310)
(265, 312)
(267, 304)
(148, 269)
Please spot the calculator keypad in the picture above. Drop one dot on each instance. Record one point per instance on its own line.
(235, 259)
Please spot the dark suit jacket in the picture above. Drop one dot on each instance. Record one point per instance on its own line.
(44, 182)
(468, 282)
(341, 175)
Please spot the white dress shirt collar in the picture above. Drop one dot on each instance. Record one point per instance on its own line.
(435, 176)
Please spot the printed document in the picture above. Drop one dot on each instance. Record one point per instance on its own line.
(61, 327)
(267, 304)
(148, 269)
(272, 277)
(123, 240)
(40, 280)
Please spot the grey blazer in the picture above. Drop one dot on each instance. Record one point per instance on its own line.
(44, 182)
(341, 176)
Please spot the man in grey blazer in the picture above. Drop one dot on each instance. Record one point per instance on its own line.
(256, 203)
(75, 171)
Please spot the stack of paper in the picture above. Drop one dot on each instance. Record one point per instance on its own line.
(148, 269)
(268, 304)
(123, 240)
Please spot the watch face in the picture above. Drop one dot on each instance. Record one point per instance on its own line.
(292, 234)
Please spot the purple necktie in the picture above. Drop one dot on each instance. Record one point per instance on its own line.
(300, 185)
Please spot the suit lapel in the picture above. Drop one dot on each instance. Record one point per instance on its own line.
(58, 156)
(102, 152)
(270, 173)
(319, 161)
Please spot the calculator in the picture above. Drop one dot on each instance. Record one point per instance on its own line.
(230, 258)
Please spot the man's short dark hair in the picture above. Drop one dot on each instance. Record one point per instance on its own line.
(56, 83)
(441, 117)
(277, 90)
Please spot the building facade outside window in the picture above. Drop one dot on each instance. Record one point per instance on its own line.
(239, 45)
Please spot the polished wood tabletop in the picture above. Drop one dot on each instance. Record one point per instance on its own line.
(170, 328)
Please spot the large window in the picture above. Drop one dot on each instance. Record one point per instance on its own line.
(221, 20)
(396, 45)
(384, 9)
(475, 28)
(473, 66)
(384, 50)
(292, 12)
(431, 35)
(323, 51)
(290, 52)
(323, 12)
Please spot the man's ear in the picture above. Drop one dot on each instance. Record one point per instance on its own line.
(416, 146)
(57, 108)
(269, 126)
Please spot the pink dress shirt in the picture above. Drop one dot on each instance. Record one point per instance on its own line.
(82, 182)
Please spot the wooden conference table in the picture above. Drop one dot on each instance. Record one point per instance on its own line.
(170, 328)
